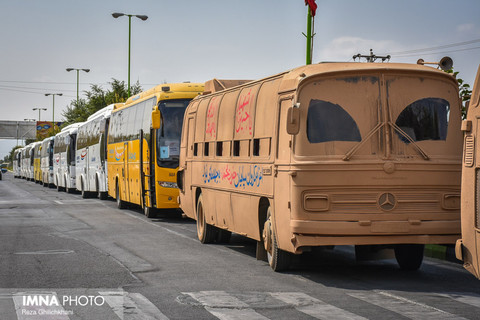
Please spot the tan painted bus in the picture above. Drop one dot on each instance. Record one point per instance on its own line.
(327, 154)
(468, 248)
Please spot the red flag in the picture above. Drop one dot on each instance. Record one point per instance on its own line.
(312, 5)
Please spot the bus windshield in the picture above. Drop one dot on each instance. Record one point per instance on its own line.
(352, 113)
(168, 136)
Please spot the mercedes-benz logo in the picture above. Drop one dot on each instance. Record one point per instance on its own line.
(387, 201)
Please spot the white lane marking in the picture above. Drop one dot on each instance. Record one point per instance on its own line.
(46, 252)
(132, 306)
(57, 201)
(403, 306)
(314, 307)
(115, 300)
(225, 306)
(158, 226)
(472, 299)
(25, 311)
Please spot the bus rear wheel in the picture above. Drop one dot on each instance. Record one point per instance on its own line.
(278, 259)
(102, 195)
(409, 256)
(85, 194)
(206, 233)
(120, 202)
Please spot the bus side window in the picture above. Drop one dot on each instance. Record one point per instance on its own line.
(195, 149)
(206, 150)
(261, 147)
(236, 148)
(219, 148)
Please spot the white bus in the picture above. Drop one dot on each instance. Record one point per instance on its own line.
(64, 158)
(27, 162)
(91, 154)
(17, 165)
(46, 161)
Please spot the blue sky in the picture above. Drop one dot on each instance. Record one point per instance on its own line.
(199, 40)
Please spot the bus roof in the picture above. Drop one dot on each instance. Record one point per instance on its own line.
(105, 112)
(70, 128)
(292, 78)
(166, 91)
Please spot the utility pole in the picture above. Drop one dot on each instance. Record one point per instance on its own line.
(312, 7)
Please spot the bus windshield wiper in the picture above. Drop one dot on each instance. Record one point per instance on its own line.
(352, 151)
(406, 136)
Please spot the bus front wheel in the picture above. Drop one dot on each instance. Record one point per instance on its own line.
(206, 232)
(278, 259)
(409, 256)
(149, 212)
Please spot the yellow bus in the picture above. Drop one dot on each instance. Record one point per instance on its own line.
(364, 154)
(468, 247)
(144, 146)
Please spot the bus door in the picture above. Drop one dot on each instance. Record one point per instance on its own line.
(125, 173)
(282, 177)
(147, 168)
(468, 248)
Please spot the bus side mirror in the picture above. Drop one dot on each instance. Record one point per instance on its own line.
(293, 119)
(156, 119)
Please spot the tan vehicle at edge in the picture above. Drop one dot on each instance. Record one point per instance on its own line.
(468, 248)
(364, 154)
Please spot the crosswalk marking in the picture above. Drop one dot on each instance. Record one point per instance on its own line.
(314, 307)
(132, 306)
(235, 314)
(403, 306)
(225, 306)
(471, 298)
(231, 305)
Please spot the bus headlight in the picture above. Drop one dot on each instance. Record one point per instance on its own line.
(167, 184)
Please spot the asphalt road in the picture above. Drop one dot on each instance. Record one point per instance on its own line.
(66, 249)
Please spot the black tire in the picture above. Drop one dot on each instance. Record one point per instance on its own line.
(206, 233)
(59, 188)
(120, 203)
(278, 259)
(149, 212)
(84, 193)
(100, 194)
(409, 256)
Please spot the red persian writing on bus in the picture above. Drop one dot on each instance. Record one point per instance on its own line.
(243, 116)
(211, 117)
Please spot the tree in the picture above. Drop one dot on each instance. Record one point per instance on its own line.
(98, 98)
(465, 91)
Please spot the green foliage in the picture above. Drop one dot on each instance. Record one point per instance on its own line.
(98, 98)
(464, 90)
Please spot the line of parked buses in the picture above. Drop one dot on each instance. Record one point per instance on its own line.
(364, 154)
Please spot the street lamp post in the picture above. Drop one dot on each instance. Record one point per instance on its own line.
(39, 109)
(78, 76)
(53, 95)
(141, 17)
